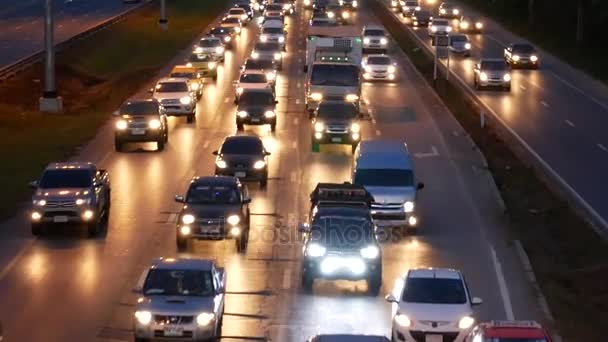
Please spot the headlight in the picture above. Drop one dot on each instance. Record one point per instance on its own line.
(281, 39)
(194, 86)
(306, 2)
(533, 58)
(204, 319)
(263, 38)
(40, 203)
(198, 50)
(242, 114)
(366, 40)
(154, 123)
(221, 164)
(391, 69)
(121, 124)
(515, 58)
(270, 76)
(259, 164)
(393, 3)
(506, 77)
(434, 28)
(355, 3)
(219, 49)
(442, 11)
(316, 96)
(408, 206)
(367, 68)
(227, 39)
(345, 15)
(370, 252)
(233, 219)
(185, 100)
(277, 56)
(464, 25)
(189, 65)
(237, 29)
(456, 11)
(466, 322)
(286, 6)
(239, 91)
(188, 219)
(319, 126)
(255, 55)
(352, 97)
(383, 41)
(449, 28)
(315, 250)
(212, 65)
(479, 25)
(330, 14)
(244, 17)
(467, 46)
(143, 317)
(403, 320)
(418, 8)
(483, 76)
(269, 114)
(355, 128)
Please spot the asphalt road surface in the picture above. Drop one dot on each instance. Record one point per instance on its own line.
(22, 23)
(64, 287)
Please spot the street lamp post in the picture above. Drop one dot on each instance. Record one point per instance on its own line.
(163, 21)
(49, 102)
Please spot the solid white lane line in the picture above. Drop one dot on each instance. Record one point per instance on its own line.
(598, 102)
(545, 104)
(502, 286)
(522, 87)
(378, 132)
(570, 123)
(602, 147)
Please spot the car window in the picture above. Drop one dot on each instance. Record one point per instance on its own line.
(440, 22)
(256, 98)
(266, 47)
(253, 64)
(493, 65)
(139, 108)
(75, 178)
(379, 60)
(373, 32)
(165, 282)
(342, 231)
(272, 30)
(384, 177)
(172, 87)
(212, 194)
(334, 75)
(337, 111)
(434, 291)
(523, 48)
(242, 146)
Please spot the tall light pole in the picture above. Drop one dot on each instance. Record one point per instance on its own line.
(49, 102)
(163, 21)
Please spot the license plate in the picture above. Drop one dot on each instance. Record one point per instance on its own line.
(336, 139)
(138, 131)
(174, 331)
(240, 174)
(210, 230)
(60, 219)
(255, 120)
(433, 338)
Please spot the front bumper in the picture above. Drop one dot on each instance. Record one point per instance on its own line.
(342, 267)
(256, 120)
(243, 173)
(524, 63)
(138, 135)
(62, 216)
(178, 109)
(490, 82)
(405, 335)
(375, 46)
(215, 231)
(182, 332)
(379, 76)
(394, 219)
(336, 138)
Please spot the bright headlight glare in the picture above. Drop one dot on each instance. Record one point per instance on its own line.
(319, 127)
(483, 76)
(478, 25)
(121, 124)
(434, 28)
(143, 317)
(370, 252)
(235, 231)
(515, 57)
(315, 250)
(185, 100)
(355, 3)
(367, 68)
(198, 50)
(188, 219)
(270, 76)
(456, 11)
(391, 69)
(243, 16)
(36, 216)
(259, 164)
(227, 39)
(263, 38)
(237, 29)
(189, 65)
(185, 230)
(403, 320)
(383, 41)
(442, 11)
(534, 58)
(330, 14)
(269, 114)
(281, 39)
(194, 86)
(221, 164)
(233, 219)
(408, 206)
(242, 114)
(449, 29)
(277, 56)
(355, 128)
(464, 25)
(418, 8)
(506, 77)
(219, 49)
(466, 322)
(467, 46)
(80, 201)
(345, 15)
(41, 203)
(366, 40)
(316, 96)
(255, 55)
(212, 65)
(239, 91)
(204, 319)
(352, 97)
(154, 124)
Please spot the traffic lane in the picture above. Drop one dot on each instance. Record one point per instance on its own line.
(68, 271)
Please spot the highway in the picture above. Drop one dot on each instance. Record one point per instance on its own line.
(558, 111)
(22, 23)
(64, 287)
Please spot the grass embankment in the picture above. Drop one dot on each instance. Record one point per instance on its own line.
(93, 76)
(569, 258)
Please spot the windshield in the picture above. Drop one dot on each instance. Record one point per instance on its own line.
(231, 21)
(75, 178)
(172, 87)
(493, 65)
(240, 146)
(178, 283)
(189, 75)
(253, 64)
(373, 33)
(379, 61)
(344, 75)
(272, 30)
(337, 111)
(422, 14)
(459, 39)
(342, 231)
(266, 47)
(256, 98)
(384, 177)
(434, 291)
(212, 194)
(253, 78)
(411, 3)
(523, 48)
(139, 108)
(209, 43)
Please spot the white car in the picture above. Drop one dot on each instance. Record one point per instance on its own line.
(211, 46)
(175, 97)
(234, 23)
(253, 79)
(238, 13)
(273, 31)
(440, 27)
(379, 68)
(432, 305)
(374, 38)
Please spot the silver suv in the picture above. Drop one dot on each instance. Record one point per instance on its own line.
(182, 299)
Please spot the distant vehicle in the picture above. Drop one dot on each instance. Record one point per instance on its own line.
(213, 46)
(273, 32)
(335, 122)
(469, 24)
(205, 63)
(256, 107)
(244, 157)
(140, 121)
(386, 169)
(439, 27)
(323, 19)
(379, 68)
(334, 10)
(460, 44)
(175, 97)
(432, 304)
(227, 35)
(237, 13)
(509, 331)
(522, 55)
(234, 23)
(248, 7)
(492, 72)
(349, 4)
(215, 208)
(252, 79)
(268, 51)
(348, 338)
(340, 238)
(182, 299)
(195, 80)
(449, 10)
(375, 39)
(422, 18)
(71, 192)
(409, 8)
(267, 66)
(287, 6)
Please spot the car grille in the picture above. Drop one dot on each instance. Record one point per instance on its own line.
(419, 336)
(60, 203)
(375, 41)
(169, 101)
(170, 319)
(240, 166)
(137, 124)
(186, 334)
(387, 206)
(337, 129)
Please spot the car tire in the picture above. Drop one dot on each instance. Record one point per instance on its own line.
(94, 228)
(36, 229)
(308, 281)
(241, 244)
(190, 118)
(374, 284)
(264, 182)
(160, 145)
(181, 244)
(214, 77)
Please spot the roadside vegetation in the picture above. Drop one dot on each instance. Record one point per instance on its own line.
(93, 76)
(570, 260)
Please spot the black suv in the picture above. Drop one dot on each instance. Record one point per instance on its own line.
(243, 156)
(215, 208)
(256, 107)
(340, 238)
(227, 35)
(140, 121)
(335, 122)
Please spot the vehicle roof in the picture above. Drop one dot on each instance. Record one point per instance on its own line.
(71, 165)
(183, 264)
(273, 23)
(173, 79)
(438, 273)
(214, 180)
(348, 338)
(384, 154)
(513, 329)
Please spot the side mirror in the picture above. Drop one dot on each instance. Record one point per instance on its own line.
(304, 228)
(266, 153)
(246, 200)
(476, 301)
(420, 186)
(180, 199)
(215, 153)
(391, 298)
(34, 184)
(116, 113)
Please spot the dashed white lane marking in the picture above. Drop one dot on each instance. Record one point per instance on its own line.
(570, 123)
(293, 177)
(378, 132)
(433, 153)
(287, 279)
(297, 101)
(296, 121)
(545, 104)
(226, 100)
(294, 144)
(598, 102)
(602, 147)
(522, 87)
(502, 286)
(206, 144)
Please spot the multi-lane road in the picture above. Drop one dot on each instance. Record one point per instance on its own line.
(22, 23)
(65, 287)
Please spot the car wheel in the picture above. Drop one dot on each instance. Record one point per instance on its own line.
(93, 228)
(241, 244)
(160, 145)
(190, 118)
(308, 282)
(182, 244)
(353, 147)
(374, 284)
(36, 229)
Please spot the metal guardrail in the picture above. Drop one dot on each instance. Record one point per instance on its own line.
(24, 63)
(598, 223)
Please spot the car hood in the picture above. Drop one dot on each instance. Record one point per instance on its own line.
(164, 96)
(211, 211)
(392, 194)
(60, 193)
(495, 73)
(179, 305)
(435, 312)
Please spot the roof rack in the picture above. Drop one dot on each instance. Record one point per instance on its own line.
(345, 193)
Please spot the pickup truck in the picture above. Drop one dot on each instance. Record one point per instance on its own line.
(71, 192)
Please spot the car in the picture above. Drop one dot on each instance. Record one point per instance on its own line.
(254, 79)
(513, 331)
(340, 238)
(492, 72)
(271, 16)
(460, 44)
(175, 97)
(248, 7)
(214, 208)
(386, 169)
(422, 18)
(375, 38)
(287, 6)
(233, 23)
(71, 192)
(204, 63)
(308, 3)
(180, 298)
(432, 304)
(140, 121)
(347, 338)
(212, 45)
(195, 81)
(256, 107)
(267, 66)
(227, 35)
(469, 24)
(449, 10)
(439, 27)
(273, 31)
(237, 13)
(379, 67)
(521, 55)
(334, 10)
(335, 122)
(243, 156)
(349, 4)
(268, 51)
(409, 8)
(273, 9)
